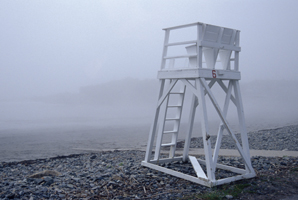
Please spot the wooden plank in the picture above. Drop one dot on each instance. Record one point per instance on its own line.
(154, 124)
(232, 179)
(223, 119)
(182, 43)
(165, 160)
(225, 167)
(205, 127)
(162, 98)
(191, 118)
(197, 167)
(178, 174)
(183, 26)
(219, 46)
(180, 56)
(179, 73)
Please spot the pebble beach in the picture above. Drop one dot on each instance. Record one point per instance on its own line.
(119, 174)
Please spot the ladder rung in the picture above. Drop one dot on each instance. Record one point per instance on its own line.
(169, 119)
(168, 144)
(167, 132)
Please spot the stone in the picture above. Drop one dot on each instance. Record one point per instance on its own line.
(45, 173)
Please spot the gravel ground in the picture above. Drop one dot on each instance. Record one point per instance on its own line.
(119, 175)
(284, 138)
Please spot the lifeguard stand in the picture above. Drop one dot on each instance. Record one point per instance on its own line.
(212, 55)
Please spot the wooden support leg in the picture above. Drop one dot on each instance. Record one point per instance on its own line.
(154, 124)
(205, 130)
(189, 127)
(242, 125)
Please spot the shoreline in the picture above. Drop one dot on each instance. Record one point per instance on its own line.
(118, 174)
(253, 136)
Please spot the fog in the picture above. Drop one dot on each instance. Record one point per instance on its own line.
(91, 65)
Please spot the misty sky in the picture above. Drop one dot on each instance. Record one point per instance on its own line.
(58, 46)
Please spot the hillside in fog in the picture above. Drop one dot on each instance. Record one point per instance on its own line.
(125, 92)
(132, 101)
(133, 92)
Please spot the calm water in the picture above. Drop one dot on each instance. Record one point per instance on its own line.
(30, 130)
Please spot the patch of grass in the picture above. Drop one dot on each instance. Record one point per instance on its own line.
(221, 192)
(295, 169)
(121, 164)
(214, 195)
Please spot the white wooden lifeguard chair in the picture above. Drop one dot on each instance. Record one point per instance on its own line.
(212, 57)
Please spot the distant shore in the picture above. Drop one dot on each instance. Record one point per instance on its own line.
(44, 142)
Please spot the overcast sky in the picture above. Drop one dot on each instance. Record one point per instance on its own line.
(58, 46)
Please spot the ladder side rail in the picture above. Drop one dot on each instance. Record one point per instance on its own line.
(205, 130)
(221, 126)
(161, 129)
(227, 126)
(162, 117)
(154, 124)
(177, 123)
(241, 117)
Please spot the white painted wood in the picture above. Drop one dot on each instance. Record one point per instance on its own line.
(180, 56)
(242, 126)
(215, 44)
(160, 130)
(225, 167)
(222, 85)
(197, 167)
(192, 50)
(165, 160)
(177, 123)
(165, 95)
(165, 49)
(154, 125)
(198, 73)
(219, 46)
(178, 174)
(246, 159)
(232, 179)
(183, 26)
(182, 43)
(191, 118)
(221, 126)
(205, 129)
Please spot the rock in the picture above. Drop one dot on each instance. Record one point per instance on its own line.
(45, 173)
(229, 196)
(48, 181)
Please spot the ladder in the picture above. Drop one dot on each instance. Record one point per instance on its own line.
(172, 119)
(211, 45)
